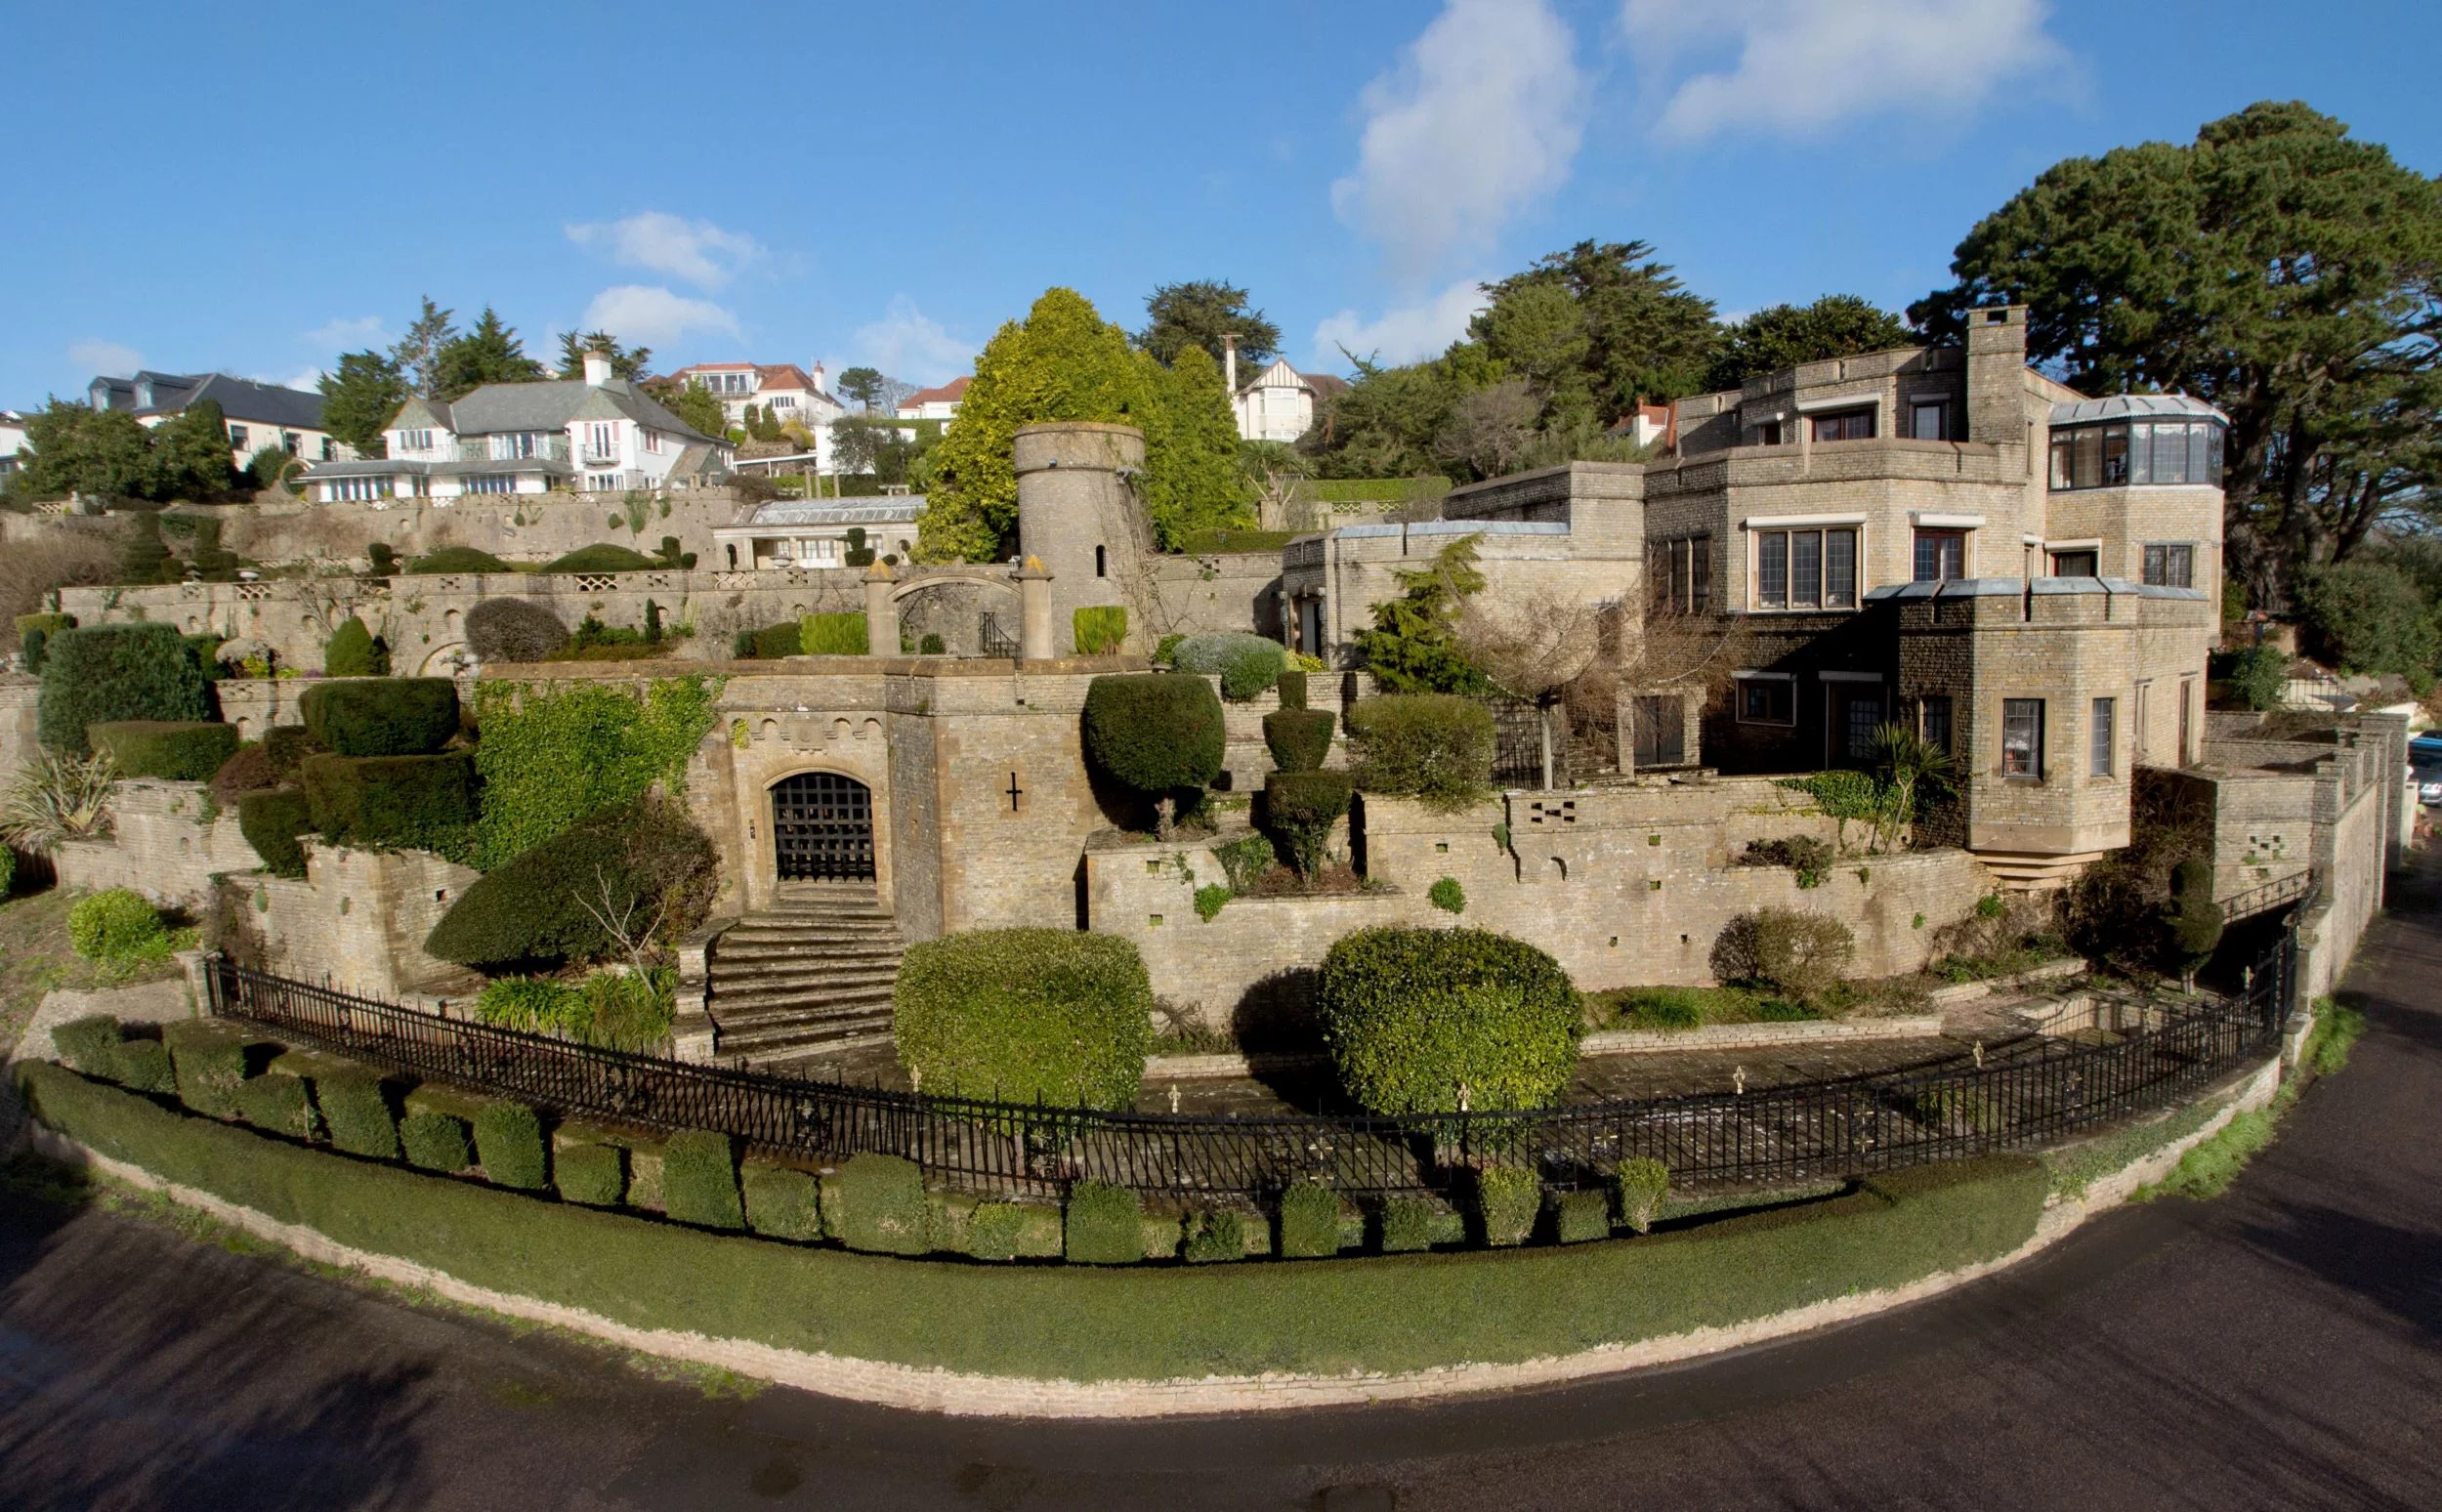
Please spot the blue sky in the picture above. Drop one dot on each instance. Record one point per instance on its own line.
(887, 185)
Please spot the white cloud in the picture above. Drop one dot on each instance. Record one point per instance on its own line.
(908, 344)
(345, 335)
(642, 314)
(1802, 65)
(104, 359)
(307, 380)
(1481, 118)
(697, 251)
(1404, 335)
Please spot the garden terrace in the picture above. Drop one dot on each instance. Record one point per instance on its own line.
(2042, 1091)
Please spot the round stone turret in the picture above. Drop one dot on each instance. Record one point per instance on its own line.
(1079, 515)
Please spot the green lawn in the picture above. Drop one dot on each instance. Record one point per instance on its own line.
(35, 958)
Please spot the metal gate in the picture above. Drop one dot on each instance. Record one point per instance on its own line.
(823, 826)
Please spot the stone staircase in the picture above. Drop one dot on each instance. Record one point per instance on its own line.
(810, 976)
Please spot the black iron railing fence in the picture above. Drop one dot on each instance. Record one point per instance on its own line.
(2033, 1092)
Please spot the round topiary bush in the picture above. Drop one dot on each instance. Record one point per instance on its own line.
(382, 716)
(1434, 747)
(513, 630)
(1157, 733)
(603, 557)
(1299, 740)
(1431, 1020)
(114, 924)
(455, 560)
(534, 909)
(1019, 1015)
(1246, 664)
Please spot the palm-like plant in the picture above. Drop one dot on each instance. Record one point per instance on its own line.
(57, 798)
(1911, 765)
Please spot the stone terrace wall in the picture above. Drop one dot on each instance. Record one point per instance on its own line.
(357, 920)
(169, 842)
(1626, 886)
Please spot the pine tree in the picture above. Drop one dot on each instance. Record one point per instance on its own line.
(490, 353)
(361, 398)
(417, 357)
(191, 455)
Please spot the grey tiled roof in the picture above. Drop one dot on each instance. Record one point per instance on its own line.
(552, 404)
(240, 399)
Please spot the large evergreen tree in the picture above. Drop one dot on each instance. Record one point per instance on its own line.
(189, 457)
(1837, 325)
(1198, 314)
(2276, 267)
(417, 356)
(359, 399)
(1193, 481)
(1065, 363)
(490, 353)
(1646, 336)
(79, 450)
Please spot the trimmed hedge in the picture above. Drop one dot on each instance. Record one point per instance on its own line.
(1507, 1201)
(595, 1175)
(513, 630)
(436, 1141)
(1013, 1230)
(1299, 738)
(834, 635)
(1156, 732)
(699, 1179)
(1248, 664)
(382, 716)
(510, 1141)
(208, 1063)
(180, 750)
(105, 674)
(358, 1108)
(248, 769)
(90, 1044)
(1637, 1187)
(1413, 1015)
(782, 1202)
(1309, 1222)
(278, 1102)
(286, 746)
(1219, 1236)
(453, 560)
(1104, 1224)
(1301, 807)
(1393, 1313)
(1436, 747)
(1026, 1014)
(531, 909)
(423, 802)
(1412, 1224)
(144, 1066)
(271, 821)
(1099, 629)
(875, 1202)
(1292, 688)
(1579, 1217)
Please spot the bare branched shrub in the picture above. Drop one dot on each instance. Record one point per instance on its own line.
(29, 569)
(1532, 643)
(1800, 955)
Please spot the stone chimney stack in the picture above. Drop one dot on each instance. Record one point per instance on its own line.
(596, 370)
(1996, 386)
(1228, 363)
(821, 379)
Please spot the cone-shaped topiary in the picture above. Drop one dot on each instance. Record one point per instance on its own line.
(352, 652)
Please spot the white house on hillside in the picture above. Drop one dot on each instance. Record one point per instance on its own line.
(940, 403)
(12, 438)
(259, 416)
(786, 388)
(599, 433)
(1279, 405)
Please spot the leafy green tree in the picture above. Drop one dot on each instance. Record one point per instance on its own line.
(361, 398)
(1646, 336)
(1198, 313)
(2368, 616)
(628, 363)
(1414, 646)
(1065, 363)
(490, 353)
(1389, 421)
(1192, 477)
(863, 386)
(1835, 325)
(2276, 267)
(1538, 332)
(79, 450)
(693, 403)
(190, 456)
(417, 356)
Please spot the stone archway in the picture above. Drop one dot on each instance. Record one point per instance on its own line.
(954, 608)
(446, 660)
(822, 827)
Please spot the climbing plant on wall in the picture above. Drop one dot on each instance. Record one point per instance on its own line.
(549, 757)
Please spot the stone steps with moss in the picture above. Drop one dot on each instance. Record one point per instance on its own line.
(810, 976)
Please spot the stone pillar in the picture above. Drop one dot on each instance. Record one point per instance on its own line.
(1035, 642)
(881, 616)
